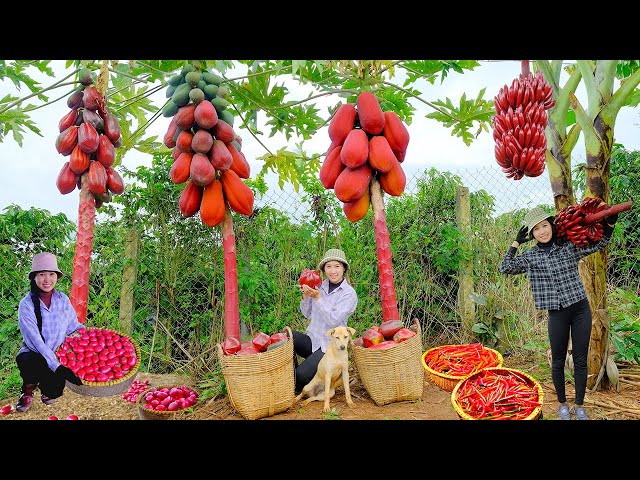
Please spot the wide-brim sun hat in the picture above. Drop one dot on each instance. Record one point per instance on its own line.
(534, 217)
(333, 254)
(44, 262)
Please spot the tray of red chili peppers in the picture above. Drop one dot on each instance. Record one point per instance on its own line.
(497, 393)
(446, 365)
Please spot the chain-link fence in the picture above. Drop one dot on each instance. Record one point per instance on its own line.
(160, 277)
(178, 312)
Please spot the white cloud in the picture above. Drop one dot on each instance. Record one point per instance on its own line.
(28, 173)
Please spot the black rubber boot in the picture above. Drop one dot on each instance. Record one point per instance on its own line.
(26, 397)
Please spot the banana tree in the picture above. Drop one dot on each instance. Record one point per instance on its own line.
(596, 121)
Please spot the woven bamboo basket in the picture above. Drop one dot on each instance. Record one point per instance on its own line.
(110, 387)
(147, 414)
(394, 374)
(534, 415)
(260, 385)
(448, 382)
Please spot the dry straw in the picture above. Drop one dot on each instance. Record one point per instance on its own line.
(534, 415)
(394, 374)
(110, 387)
(448, 382)
(262, 384)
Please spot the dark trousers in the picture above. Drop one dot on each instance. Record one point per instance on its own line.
(309, 366)
(35, 371)
(574, 320)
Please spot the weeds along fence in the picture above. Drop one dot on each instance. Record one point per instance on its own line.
(160, 277)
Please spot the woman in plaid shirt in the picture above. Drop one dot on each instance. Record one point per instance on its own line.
(552, 268)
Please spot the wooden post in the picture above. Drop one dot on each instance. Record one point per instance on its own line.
(129, 275)
(465, 282)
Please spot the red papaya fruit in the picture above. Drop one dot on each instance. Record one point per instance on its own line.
(370, 114)
(331, 167)
(355, 149)
(342, 123)
(352, 183)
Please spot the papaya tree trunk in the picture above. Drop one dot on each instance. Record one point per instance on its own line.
(231, 307)
(383, 252)
(79, 294)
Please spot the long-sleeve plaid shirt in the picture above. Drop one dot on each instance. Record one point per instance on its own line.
(58, 321)
(331, 310)
(553, 273)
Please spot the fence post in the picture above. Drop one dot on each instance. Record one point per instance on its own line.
(129, 274)
(465, 274)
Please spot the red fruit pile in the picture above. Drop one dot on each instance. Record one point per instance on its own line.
(89, 135)
(310, 277)
(261, 342)
(206, 149)
(386, 335)
(7, 409)
(169, 398)
(519, 123)
(365, 143)
(98, 355)
(136, 388)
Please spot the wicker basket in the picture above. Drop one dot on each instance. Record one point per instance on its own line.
(393, 374)
(260, 385)
(448, 382)
(534, 415)
(110, 387)
(147, 414)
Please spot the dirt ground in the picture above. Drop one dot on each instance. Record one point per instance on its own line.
(434, 405)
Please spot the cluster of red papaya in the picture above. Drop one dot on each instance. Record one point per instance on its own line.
(365, 141)
(89, 135)
(387, 335)
(261, 342)
(206, 149)
(519, 123)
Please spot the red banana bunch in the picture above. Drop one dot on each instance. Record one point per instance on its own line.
(519, 123)
(582, 224)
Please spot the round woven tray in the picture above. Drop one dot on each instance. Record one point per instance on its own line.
(110, 387)
(534, 415)
(448, 382)
(147, 414)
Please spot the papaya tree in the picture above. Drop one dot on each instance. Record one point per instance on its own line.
(596, 120)
(89, 135)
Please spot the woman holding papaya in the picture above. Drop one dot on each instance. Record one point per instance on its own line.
(552, 268)
(328, 306)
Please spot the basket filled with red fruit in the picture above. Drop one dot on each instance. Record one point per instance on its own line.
(259, 373)
(387, 358)
(105, 360)
(166, 402)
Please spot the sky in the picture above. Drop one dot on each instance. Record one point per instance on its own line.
(29, 172)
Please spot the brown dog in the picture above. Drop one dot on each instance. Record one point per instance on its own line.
(333, 370)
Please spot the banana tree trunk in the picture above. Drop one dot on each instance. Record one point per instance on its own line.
(231, 307)
(79, 294)
(383, 252)
(596, 123)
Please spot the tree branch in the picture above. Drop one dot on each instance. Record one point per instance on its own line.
(419, 98)
(50, 87)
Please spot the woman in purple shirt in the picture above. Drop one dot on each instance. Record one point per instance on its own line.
(327, 307)
(45, 318)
